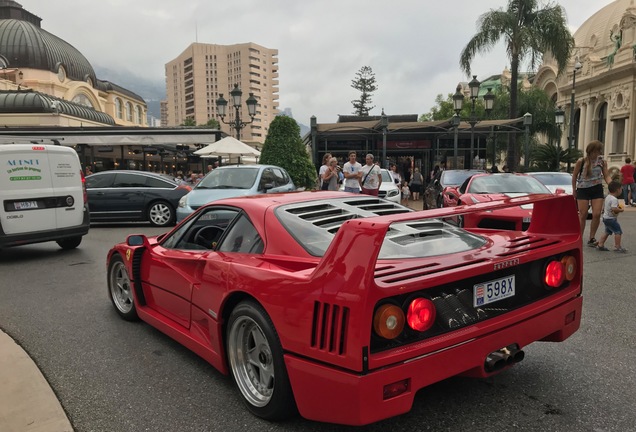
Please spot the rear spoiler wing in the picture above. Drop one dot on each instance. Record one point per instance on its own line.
(363, 238)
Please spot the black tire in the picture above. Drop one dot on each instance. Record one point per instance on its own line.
(120, 289)
(255, 359)
(161, 214)
(69, 243)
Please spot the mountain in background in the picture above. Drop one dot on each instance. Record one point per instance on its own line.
(153, 91)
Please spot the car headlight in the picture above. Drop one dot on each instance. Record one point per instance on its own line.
(392, 193)
(182, 201)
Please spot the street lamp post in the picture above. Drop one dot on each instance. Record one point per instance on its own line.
(559, 119)
(577, 67)
(458, 100)
(384, 123)
(527, 122)
(237, 124)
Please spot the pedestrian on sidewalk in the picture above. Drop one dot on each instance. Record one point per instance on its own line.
(417, 180)
(587, 186)
(627, 172)
(406, 193)
(353, 174)
(371, 177)
(611, 210)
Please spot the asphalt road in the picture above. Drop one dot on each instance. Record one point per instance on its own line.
(112, 375)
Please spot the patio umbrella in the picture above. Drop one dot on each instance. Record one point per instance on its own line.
(227, 147)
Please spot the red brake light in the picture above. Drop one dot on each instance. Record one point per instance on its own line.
(84, 193)
(421, 314)
(554, 274)
(388, 321)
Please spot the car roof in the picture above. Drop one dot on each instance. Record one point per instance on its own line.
(135, 172)
(252, 166)
(548, 173)
(276, 199)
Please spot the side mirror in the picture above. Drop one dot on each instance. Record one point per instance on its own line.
(268, 186)
(559, 191)
(136, 240)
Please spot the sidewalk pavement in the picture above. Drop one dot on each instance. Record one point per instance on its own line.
(27, 402)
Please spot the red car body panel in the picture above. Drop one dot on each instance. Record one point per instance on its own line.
(515, 218)
(322, 307)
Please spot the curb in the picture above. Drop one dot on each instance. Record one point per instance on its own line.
(27, 402)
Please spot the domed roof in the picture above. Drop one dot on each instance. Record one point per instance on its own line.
(26, 45)
(593, 36)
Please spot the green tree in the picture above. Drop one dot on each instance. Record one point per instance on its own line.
(527, 31)
(544, 157)
(189, 121)
(534, 101)
(212, 124)
(364, 82)
(284, 147)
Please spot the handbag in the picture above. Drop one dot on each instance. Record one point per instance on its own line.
(324, 185)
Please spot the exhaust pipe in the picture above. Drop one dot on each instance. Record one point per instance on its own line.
(495, 361)
(503, 357)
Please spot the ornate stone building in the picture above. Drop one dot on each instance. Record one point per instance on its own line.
(45, 81)
(604, 86)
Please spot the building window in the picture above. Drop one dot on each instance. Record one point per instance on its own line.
(602, 122)
(129, 114)
(139, 115)
(118, 108)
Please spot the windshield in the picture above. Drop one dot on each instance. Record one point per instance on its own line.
(386, 177)
(498, 184)
(554, 179)
(457, 177)
(314, 225)
(229, 178)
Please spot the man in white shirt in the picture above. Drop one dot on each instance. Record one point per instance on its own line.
(371, 177)
(352, 171)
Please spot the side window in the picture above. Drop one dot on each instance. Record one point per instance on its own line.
(129, 180)
(242, 238)
(152, 182)
(99, 181)
(267, 177)
(280, 177)
(204, 232)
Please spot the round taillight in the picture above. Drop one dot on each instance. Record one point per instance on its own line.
(554, 274)
(569, 263)
(388, 321)
(421, 314)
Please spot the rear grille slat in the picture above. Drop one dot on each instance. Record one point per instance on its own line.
(401, 275)
(329, 328)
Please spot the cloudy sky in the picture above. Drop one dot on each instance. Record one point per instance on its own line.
(413, 46)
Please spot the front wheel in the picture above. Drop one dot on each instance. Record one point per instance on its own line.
(120, 289)
(69, 243)
(256, 361)
(161, 214)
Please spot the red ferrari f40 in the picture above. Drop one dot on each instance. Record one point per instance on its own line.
(341, 307)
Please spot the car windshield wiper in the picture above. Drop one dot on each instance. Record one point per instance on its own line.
(225, 187)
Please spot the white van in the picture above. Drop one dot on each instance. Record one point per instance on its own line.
(43, 196)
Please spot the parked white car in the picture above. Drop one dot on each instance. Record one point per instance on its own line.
(388, 189)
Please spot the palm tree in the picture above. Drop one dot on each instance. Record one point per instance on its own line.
(527, 32)
(544, 157)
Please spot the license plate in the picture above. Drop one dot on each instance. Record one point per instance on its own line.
(494, 290)
(24, 205)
